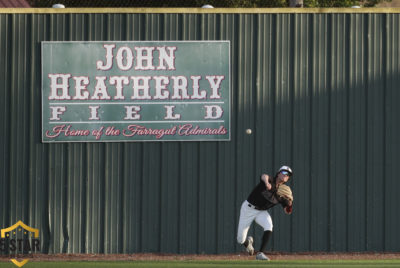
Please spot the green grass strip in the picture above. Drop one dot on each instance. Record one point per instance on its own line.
(209, 264)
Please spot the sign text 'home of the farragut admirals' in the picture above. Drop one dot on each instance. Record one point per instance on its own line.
(135, 91)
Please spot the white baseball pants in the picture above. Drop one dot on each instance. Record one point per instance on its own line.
(247, 216)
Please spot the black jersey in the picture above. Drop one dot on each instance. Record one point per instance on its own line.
(264, 199)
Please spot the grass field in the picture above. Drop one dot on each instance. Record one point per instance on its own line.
(209, 264)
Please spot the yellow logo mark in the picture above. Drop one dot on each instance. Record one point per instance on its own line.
(15, 226)
(19, 264)
(25, 227)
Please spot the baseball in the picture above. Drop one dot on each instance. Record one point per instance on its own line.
(248, 131)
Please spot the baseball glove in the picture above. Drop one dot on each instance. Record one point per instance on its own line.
(284, 191)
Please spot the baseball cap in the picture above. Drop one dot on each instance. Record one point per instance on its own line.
(286, 168)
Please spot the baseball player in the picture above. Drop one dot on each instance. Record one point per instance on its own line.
(269, 192)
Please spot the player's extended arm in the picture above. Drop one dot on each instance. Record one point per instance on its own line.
(265, 179)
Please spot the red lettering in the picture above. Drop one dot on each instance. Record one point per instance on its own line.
(67, 131)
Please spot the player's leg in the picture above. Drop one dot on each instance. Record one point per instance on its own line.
(247, 216)
(265, 221)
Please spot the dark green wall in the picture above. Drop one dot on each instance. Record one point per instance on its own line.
(319, 90)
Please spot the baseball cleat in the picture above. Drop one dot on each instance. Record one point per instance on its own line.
(250, 248)
(261, 256)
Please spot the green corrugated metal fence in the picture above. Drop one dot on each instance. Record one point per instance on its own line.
(319, 90)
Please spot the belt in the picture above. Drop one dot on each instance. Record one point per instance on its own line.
(252, 206)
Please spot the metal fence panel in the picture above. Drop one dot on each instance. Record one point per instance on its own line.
(319, 91)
